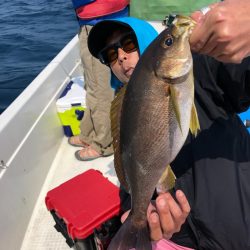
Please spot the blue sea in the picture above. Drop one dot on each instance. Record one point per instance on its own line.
(32, 32)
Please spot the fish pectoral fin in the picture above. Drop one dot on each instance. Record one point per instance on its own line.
(174, 98)
(167, 180)
(194, 121)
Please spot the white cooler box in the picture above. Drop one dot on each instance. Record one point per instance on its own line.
(71, 105)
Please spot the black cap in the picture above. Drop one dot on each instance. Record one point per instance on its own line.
(99, 34)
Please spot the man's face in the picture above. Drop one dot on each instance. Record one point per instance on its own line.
(124, 66)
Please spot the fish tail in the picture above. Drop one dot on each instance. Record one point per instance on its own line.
(194, 121)
(129, 237)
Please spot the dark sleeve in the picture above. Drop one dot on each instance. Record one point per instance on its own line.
(234, 80)
(227, 84)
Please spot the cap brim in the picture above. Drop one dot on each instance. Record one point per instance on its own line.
(99, 34)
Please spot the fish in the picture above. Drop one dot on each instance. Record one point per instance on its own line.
(156, 115)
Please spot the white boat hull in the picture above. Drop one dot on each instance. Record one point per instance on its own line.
(30, 135)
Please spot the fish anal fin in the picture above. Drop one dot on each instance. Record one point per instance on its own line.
(167, 180)
(194, 121)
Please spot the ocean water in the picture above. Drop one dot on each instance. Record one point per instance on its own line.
(31, 35)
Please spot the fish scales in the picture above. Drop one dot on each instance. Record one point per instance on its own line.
(155, 121)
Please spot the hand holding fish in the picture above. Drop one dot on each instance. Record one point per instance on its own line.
(166, 216)
(223, 32)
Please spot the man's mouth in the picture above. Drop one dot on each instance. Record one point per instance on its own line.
(128, 72)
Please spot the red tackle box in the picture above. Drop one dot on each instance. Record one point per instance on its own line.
(86, 210)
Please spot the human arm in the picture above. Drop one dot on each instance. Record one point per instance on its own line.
(223, 32)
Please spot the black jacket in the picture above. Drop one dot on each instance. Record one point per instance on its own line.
(213, 169)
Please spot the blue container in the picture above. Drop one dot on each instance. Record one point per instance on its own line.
(80, 3)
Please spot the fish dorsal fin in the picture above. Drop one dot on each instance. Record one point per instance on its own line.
(115, 116)
(194, 121)
(174, 98)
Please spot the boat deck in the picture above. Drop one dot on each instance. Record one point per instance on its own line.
(41, 234)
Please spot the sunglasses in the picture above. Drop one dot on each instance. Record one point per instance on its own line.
(109, 54)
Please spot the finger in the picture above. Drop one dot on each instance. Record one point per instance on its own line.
(183, 202)
(229, 53)
(177, 215)
(218, 51)
(209, 46)
(229, 58)
(155, 226)
(220, 39)
(166, 219)
(203, 29)
(154, 223)
(124, 216)
(200, 35)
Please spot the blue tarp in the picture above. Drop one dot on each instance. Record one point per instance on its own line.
(245, 116)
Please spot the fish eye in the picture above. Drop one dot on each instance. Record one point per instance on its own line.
(169, 41)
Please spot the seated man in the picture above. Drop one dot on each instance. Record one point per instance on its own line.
(213, 168)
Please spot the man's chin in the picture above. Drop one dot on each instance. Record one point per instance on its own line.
(127, 78)
(128, 74)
